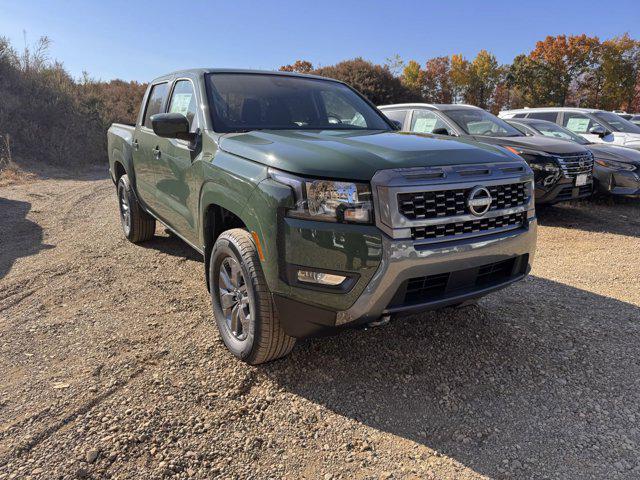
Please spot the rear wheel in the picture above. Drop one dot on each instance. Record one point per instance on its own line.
(137, 225)
(242, 305)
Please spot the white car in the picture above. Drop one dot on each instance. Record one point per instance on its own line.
(598, 126)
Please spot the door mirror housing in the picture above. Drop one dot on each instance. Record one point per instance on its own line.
(440, 131)
(397, 124)
(172, 125)
(599, 130)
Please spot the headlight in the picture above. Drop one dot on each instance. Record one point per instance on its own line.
(328, 200)
(540, 161)
(629, 167)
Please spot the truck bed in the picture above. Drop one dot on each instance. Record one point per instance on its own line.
(120, 146)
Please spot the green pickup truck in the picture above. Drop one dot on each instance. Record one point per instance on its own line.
(312, 212)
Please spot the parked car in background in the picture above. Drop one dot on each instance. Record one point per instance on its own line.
(616, 169)
(311, 211)
(598, 126)
(563, 171)
(625, 115)
(635, 119)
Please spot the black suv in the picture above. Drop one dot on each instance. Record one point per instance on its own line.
(563, 171)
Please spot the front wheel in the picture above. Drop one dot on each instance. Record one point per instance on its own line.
(242, 305)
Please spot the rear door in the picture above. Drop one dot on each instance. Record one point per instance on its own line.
(146, 145)
(176, 174)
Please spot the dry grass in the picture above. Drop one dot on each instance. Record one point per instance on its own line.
(10, 173)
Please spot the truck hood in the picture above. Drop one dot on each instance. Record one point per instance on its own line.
(613, 152)
(352, 155)
(541, 144)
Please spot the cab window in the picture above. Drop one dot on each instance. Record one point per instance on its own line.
(155, 102)
(424, 121)
(183, 100)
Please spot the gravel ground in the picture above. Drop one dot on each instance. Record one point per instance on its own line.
(110, 366)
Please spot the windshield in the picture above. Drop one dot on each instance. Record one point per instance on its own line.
(244, 101)
(478, 122)
(549, 129)
(616, 123)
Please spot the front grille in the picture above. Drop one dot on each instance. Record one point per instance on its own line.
(573, 165)
(450, 203)
(443, 285)
(454, 229)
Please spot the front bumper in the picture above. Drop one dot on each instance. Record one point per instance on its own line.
(562, 191)
(404, 260)
(617, 182)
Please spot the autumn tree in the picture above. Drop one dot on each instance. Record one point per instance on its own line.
(413, 78)
(437, 86)
(300, 66)
(374, 81)
(620, 65)
(559, 62)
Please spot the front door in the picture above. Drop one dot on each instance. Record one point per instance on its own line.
(176, 182)
(582, 124)
(145, 147)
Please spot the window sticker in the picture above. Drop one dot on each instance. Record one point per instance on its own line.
(578, 125)
(424, 125)
(180, 103)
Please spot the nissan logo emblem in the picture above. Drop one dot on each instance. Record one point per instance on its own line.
(479, 201)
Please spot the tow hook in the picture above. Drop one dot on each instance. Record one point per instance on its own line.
(383, 320)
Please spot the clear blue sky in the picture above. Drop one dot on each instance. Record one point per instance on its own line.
(138, 40)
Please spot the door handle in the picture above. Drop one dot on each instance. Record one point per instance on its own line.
(136, 145)
(157, 153)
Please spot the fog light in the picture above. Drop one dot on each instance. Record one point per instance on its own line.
(320, 278)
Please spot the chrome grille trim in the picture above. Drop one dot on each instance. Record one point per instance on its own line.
(570, 164)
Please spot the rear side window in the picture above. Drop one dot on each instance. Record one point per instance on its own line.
(154, 103)
(549, 116)
(183, 100)
(520, 115)
(397, 115)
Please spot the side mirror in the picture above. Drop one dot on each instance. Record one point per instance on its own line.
(397, 124)
(440, 131)
(172, 125)
(599, 130)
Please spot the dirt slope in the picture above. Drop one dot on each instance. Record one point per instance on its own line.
(110, 366)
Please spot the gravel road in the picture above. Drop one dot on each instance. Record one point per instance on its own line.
(110, 366)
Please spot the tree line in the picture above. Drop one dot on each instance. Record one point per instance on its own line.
(47, 116)
(562, 70)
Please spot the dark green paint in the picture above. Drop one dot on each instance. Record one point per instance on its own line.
(231, 171)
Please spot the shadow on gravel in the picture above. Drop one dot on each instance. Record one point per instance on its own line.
(172, 245)
(541, 380)
(606, 215)
(19, 236)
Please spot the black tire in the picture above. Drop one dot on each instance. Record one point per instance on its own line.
(253, 333)
(139, 226)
